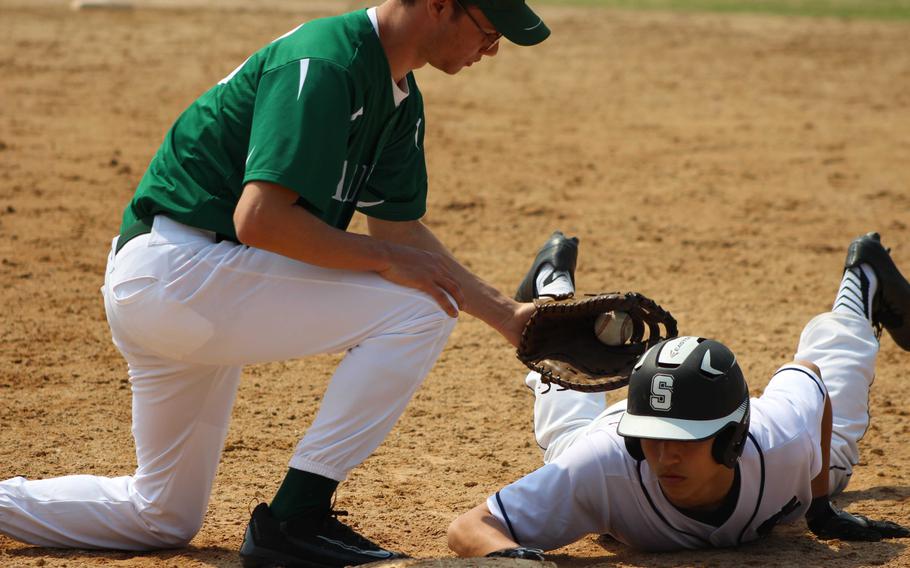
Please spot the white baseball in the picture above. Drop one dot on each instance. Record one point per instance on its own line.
(613, 328)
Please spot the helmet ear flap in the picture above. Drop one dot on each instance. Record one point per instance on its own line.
(721, 450)
(729, 443)
(633, 446)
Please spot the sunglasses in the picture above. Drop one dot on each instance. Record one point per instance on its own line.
(490, 38)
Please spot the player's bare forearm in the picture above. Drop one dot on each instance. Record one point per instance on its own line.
(267, 217)
(478, 533)
(481, 300)
(820, 483)
(827, 521)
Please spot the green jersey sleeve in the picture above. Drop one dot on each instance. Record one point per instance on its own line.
(300, 128)
(397, 188)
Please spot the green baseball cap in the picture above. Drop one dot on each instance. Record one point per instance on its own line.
(515, 20)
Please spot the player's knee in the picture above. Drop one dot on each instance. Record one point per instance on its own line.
(809, 365)
(436, 312)
(181, 536)
(170, 530)
(431, 318)
(446, 322)
(176, 537)
(414, 311)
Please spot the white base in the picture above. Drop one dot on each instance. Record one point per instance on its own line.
(101, 4)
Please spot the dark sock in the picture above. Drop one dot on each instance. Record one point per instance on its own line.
(301, 490)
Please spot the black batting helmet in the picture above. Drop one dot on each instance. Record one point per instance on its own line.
(688, 388)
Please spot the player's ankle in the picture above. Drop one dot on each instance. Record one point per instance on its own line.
(857, 291)
(300, 493)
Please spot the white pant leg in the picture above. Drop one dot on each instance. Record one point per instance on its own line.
(844, 347)
(560, 416)
(188, 313)
(180, 419)
(368, 393)
(239, 305)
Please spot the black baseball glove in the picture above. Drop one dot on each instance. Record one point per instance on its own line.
(518, 552)
(827, 522)
(560, 343)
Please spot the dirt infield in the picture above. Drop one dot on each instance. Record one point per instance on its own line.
(720, 164)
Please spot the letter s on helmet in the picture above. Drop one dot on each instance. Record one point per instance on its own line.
(688, 388)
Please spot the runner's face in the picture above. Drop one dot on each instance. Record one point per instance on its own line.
(687, 472)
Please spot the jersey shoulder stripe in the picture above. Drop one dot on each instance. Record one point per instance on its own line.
(815, 380)
(505, 515)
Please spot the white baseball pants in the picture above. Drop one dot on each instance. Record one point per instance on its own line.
(187, 313)
(843, 346)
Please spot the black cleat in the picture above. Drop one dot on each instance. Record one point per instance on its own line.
(318, 540)
(891, 304)
(559, 251)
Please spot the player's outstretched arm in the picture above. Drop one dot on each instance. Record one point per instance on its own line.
(478, 533)
(481, 300)
(825, 520)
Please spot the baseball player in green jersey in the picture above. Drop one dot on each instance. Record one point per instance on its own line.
(234, 251)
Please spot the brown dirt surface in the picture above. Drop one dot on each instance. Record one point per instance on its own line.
(720, 164)
(461, 563)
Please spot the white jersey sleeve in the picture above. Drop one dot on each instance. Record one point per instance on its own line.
(786, 426)
(570, 497)
(791, 408)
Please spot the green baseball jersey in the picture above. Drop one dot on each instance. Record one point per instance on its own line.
(313, 111)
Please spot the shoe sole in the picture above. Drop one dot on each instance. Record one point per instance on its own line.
(261, 558)
(264, 558)
(278, 562)
(869, 249)
(560, 251)
(253, 556)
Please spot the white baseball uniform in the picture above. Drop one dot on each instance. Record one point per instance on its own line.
(591, 485)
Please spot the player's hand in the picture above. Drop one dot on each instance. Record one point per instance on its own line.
(827, 523)
(512, 328)
(425, 271)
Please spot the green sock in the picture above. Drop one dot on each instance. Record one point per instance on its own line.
(301, 490)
